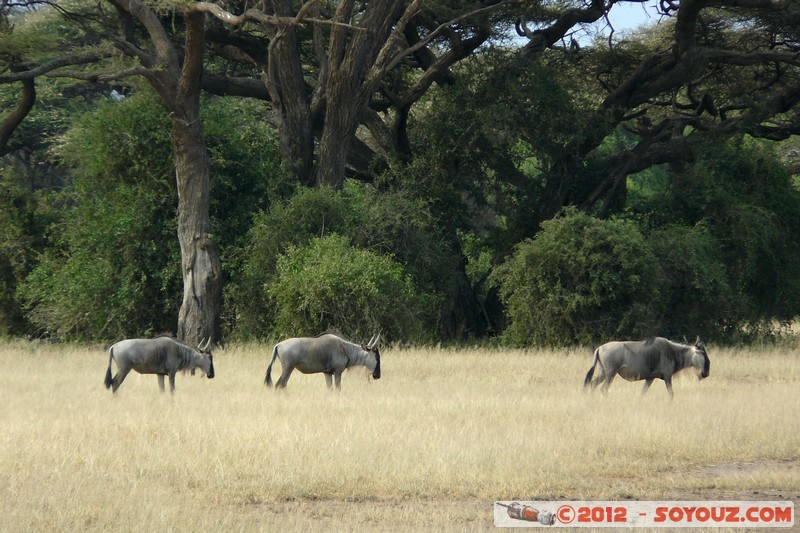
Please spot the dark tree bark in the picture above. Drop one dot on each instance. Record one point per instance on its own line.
(322, 101)
(349, 87)
(288, 92)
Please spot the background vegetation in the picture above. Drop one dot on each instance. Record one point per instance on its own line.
(519, 197)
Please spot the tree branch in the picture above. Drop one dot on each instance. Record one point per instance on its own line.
(100, 77)
(15, 118)
(31, 70)
(255, 15)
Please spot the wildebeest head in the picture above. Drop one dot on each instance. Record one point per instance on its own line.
(700, 359)
(206, 362)
(373, 347)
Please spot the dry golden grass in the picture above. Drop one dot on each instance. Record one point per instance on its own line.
(430, 446)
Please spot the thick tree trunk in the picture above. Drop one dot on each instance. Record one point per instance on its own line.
(198, 318)
(287, 88)
(351, 55)
(340, 127)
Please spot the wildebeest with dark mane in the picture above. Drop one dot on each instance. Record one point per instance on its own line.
(163, 356)
(654, 358)
(327, 353)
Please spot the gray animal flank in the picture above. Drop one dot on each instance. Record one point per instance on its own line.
(328, 354)
(162, 356)
(655, 358)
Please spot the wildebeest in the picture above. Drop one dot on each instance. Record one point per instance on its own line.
(327, 353)
(654, 358)
(163, 356)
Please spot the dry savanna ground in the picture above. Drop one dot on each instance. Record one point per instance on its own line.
(430, 446)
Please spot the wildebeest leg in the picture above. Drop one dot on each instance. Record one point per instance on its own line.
(647, 384)
(668, 383)
(161, 383)
(599, 379)
(609, 378)
(172, 383)
(329, 380)
(602, 376)
(119, 378)
(338, 377)
(286, 371)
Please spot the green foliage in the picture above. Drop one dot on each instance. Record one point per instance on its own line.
(120, 142)
(743, 196)
(694, 284)
(118, 274)
(580, 280)
(483, 145)
(720, 254)
(387, 224)
(245, 167)
(328, 284)
(21, 237)
(755, 214)
(113, 267)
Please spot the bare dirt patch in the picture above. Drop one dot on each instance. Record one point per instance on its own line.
(372, 515)
(714, 482)
(717, 480)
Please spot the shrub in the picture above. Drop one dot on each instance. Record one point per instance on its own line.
(114, 273)
(745, 197)
(695, 289)
(328, 284)
(580, 280)
(382, 223)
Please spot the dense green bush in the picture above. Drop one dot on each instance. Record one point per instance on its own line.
(753, 209)
(581, 280)
(694, 287)
(328, 284)
(387, 224)
(21, 227)
(118, 274)
(113, 265)
(738, 207)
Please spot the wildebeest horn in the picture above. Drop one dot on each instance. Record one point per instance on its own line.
(369, 344)
(203, 347)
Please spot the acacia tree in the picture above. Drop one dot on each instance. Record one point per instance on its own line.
(719, 69)
(175, 75)
(174, 72)
(332, 67)
(327, 76)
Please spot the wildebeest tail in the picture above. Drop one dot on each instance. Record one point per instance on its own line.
(108, 381)
(268, 377)
(591, 370)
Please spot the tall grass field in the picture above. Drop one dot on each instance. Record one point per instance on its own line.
(428, 447)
